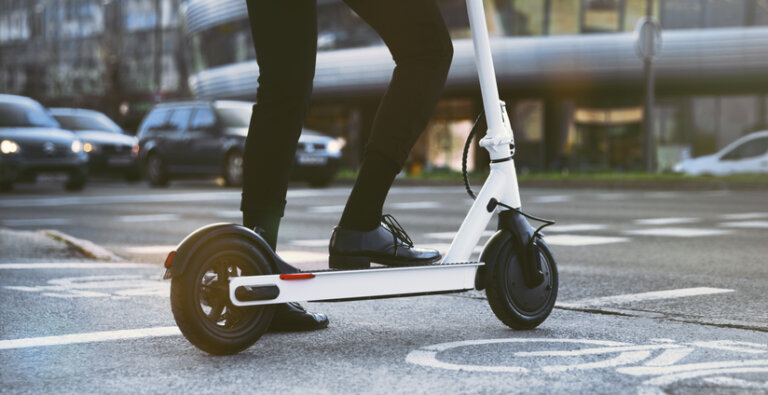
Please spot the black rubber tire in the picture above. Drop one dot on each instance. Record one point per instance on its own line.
(76, 180)
(156, 171)
(233, 177)
(188, 297)
(511, 300)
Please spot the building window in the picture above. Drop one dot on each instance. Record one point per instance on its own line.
(761, 13)
(682, 14)
(564, 17)
(601, 16)
(520, 17)
(726, 13)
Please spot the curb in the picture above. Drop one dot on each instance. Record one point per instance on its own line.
(85, 247)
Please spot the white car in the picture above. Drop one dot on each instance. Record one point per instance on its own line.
(749, 154)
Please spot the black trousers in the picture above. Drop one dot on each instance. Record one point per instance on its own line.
(285, 38)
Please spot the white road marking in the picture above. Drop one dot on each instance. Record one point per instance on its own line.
(451, 235)
(665, 221)
(740, 216)
(581, 240)
(747, 224)
(148, 250)
(552, 199)
(36, 222)
(444, 247)
(730, 345)
(326, 209)
(76, 265)
(91, 337)
(310, 243)
(642, 297)
(677, 232)
(738, 383)
(691, 367)
(302, 256)
(149, 218)
(99, 287)
(575, 228)
(669, 357)
(223, 196)
(414, 205)
(228, 214)
(427, 356)
(625, 358)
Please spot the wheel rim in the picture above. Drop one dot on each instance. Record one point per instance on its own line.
(211, 297)
(235, 168)
(528, 301)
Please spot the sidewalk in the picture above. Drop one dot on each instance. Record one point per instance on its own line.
(46, 246)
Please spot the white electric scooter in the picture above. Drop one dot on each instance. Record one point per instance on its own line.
(226, 278)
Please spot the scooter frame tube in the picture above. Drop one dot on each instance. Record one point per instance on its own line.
(501, 183)
(449, 276)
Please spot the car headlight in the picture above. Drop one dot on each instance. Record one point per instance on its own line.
(335, 146)
(135, 150)
(76, 146)
(9, 147)
(88, 148)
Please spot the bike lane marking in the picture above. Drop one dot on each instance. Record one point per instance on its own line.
(642, 297)
(92, 337)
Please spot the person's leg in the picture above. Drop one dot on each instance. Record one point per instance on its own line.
(285, 39)
(418, 39)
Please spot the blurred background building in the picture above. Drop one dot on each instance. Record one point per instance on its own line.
(566, 68)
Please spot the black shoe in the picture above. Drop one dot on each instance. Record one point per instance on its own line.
(388, 245)
(291, 317)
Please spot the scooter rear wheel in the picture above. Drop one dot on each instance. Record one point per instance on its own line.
(514, 303)
(200, 297)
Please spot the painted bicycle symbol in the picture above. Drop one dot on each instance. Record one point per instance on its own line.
(660, 363)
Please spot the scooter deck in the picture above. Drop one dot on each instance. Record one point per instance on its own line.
(347, 285)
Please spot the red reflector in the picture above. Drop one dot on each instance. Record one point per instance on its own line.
(297, 276)
(169, 259)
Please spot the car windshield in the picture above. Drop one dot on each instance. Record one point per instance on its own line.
(17, 115)
(95, 121)
(235, 116)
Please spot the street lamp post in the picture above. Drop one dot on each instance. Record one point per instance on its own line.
(648, 47)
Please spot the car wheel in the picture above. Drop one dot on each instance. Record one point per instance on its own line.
(233, 169)
(156, 171)
(76, 180)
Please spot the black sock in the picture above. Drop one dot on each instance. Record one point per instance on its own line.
(363, 209)
(267, 221)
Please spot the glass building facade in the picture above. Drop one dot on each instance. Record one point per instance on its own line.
(102, 54)
(105, 53)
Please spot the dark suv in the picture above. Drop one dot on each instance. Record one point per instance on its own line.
(208, 138)
(32, 142)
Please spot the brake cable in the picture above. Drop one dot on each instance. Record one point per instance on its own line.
(475, 127)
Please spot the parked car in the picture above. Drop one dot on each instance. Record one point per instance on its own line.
(748, 154)
(208, 139)
(32, 142)
(110, 150)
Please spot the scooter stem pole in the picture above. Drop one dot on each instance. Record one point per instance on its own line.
(497, 132)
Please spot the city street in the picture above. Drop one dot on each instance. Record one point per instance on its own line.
(660, 292)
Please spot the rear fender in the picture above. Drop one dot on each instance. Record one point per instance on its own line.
(199, 238)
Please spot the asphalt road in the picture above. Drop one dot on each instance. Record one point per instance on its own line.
(660, 291)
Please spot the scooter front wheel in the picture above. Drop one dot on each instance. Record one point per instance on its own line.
(200, 297)
(511, 300)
